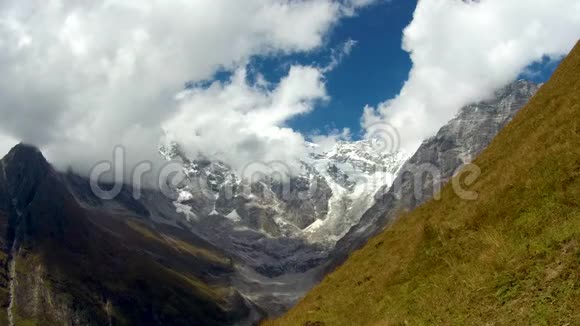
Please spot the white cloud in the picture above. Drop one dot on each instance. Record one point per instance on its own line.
(242, 123)
(326, 142)
(338, 54)
(79, 77)
(464, 50)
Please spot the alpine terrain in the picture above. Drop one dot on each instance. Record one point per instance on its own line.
(214, 247)
(289, 162)
(500, 245)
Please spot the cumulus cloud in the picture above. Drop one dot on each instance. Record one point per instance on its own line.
(79, 77)
(240, 122)
(464, 50)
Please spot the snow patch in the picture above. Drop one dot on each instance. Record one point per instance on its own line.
(184, 196)
(234, 216)
(185, 210)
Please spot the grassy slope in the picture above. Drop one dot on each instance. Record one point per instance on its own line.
(510, 257)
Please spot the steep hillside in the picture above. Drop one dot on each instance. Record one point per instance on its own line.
(64, 264)
(510, 257)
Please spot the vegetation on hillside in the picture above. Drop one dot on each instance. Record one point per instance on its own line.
(510, 257)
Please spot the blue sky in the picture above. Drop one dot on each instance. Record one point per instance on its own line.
(374, 71)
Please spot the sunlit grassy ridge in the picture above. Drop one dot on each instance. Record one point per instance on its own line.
(510, 257)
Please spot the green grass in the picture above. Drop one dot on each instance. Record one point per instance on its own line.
(512, 257)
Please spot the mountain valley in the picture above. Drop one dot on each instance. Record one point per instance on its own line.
(260, 246)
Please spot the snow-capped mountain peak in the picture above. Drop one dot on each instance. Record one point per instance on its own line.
(319, 205)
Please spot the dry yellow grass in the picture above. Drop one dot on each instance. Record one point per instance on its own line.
(512, 257)
(178, 245)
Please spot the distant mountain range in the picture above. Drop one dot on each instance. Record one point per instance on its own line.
(318, 204)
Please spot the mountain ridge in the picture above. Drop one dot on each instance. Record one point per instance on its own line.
(436, 161)
(64, 265)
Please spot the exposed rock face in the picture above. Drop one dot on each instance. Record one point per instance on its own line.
(283, 225)
(436, 161)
